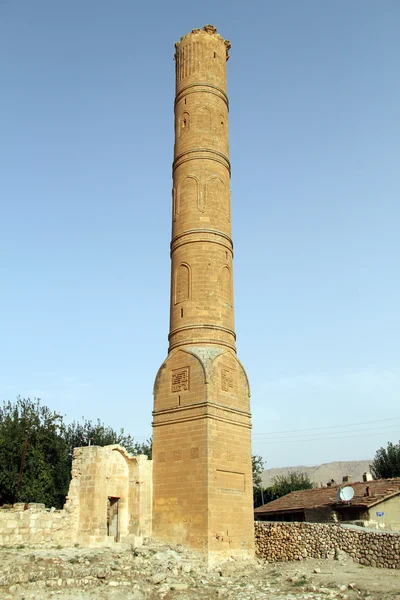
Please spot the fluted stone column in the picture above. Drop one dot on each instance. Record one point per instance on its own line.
(202, 477)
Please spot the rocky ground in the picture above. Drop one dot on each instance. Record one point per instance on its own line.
(156, 572)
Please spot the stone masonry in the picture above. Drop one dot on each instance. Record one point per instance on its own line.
(34, 525)
(282, 542)
(109, 474)
(202, 476)
(109, 500)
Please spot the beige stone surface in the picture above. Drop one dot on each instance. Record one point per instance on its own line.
(35, 526)
(98, 473)
(202, 476)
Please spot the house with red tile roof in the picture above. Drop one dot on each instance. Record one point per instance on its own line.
(375, 504)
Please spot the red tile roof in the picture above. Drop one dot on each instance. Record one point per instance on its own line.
(379, 489)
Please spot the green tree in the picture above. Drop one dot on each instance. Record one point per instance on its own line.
(258, 469)
(292, 482)
(97, 434)
(36, 451)
(34, 461)
(281, 485)
(262, 495)
(386, 463)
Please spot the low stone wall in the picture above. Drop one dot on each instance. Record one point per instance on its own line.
(277, 542)
(33, 524)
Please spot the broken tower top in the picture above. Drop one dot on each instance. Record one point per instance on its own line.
(207, 30)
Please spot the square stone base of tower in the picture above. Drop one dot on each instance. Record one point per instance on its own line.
(202, 470)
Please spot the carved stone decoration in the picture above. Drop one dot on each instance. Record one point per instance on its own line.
(178, 454)
(194, 452)
(227, 379)
(182, 283)
(187, 59)
(180, 380)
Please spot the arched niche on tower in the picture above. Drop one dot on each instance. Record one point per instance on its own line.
(217, 196)
(182, 283)
(225, 283)
(187, 194)
(183, 123)
(203, 119)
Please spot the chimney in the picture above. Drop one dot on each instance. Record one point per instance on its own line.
(367, 476)
(346, 478)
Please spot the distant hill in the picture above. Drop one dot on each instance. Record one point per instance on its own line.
(321, 474)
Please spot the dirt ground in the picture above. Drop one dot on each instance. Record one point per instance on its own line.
(156, 571)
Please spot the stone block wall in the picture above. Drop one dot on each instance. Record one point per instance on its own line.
(97, 474)
(33, 524)
(280, 542)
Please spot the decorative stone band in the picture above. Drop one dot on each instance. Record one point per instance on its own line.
(209, 88)
(202, 410)
(201, 154)
(199, 339)
(202, 235)
(203, 326)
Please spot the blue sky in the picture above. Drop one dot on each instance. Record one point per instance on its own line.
(86, 131)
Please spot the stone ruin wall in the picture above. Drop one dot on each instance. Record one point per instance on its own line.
(97, 472)
(281, 542)
(33, 524)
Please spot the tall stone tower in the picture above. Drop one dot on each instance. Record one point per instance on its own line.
(202, 472)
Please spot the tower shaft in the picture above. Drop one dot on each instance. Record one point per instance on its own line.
(201, 306)
(202, 473)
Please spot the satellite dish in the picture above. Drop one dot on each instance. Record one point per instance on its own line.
(346, 493)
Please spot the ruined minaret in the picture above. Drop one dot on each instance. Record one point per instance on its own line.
(202, 473)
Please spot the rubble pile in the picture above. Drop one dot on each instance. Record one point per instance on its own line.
(161, 572)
